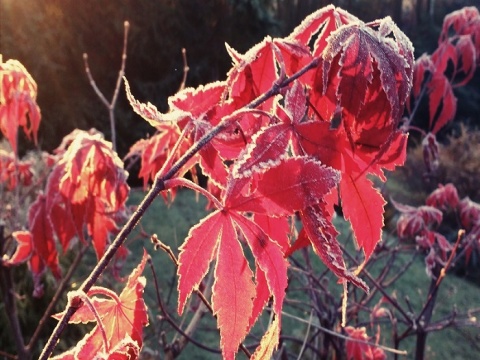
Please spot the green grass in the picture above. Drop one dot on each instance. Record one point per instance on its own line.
(171, 224)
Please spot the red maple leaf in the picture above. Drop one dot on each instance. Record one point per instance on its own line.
(18, 107)
(451, 65)
(119, 335)
(469, 213)
(85, 191)
(320, 25)
(374, 78)
(253, 74)
(24, 250)
(306, 145)
(154, 151)
(361, 202)
(279, 191)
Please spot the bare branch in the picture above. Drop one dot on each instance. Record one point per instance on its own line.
(6, 285)
(111, 105)
(341, 336)
(58, 294)
(185, 70)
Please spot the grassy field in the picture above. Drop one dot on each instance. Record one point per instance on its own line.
(171, 225)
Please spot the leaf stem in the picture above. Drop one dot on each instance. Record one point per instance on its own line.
(86, 301)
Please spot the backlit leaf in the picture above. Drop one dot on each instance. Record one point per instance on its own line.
(362, 205)
(196, 253)
(23, 251)
(123, 318)
(292, 185)
(233, 291)
(18, 106)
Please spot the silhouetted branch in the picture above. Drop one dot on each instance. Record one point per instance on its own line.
(111, 105)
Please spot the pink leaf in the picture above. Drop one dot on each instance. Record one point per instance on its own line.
(233, 291)
(362, 205)
(268, 146)
(196, 253)
(292, 185)
(18, 96)
(269, 257)
(24, 249)
(443, 198)
(123, 318)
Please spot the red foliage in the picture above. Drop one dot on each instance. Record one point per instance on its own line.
(452, 64)
(302, 151)
(299, 125)
(18, 107)
(419, 223)
(444, 198)
(86, 191)
(14, 172)
(120, 320)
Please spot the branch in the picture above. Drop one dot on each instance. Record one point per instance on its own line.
(185, 70)
(168, 318)
(379, 287)
(7, 355)
(111, 105)
(441, 276)
(58, 294)
(344, 337)
(6, 284)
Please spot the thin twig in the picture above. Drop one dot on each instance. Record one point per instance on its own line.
(7, 355)
(169, 319)
(378, 286)
(111, 105)
(306, 336)
(185, 70)
(443, 272)
(6, 285)
(58, 294)
(344, 337)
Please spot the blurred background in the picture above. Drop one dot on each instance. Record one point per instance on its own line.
(50, 36)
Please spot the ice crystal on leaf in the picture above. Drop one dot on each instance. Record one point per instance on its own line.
(303, 122)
